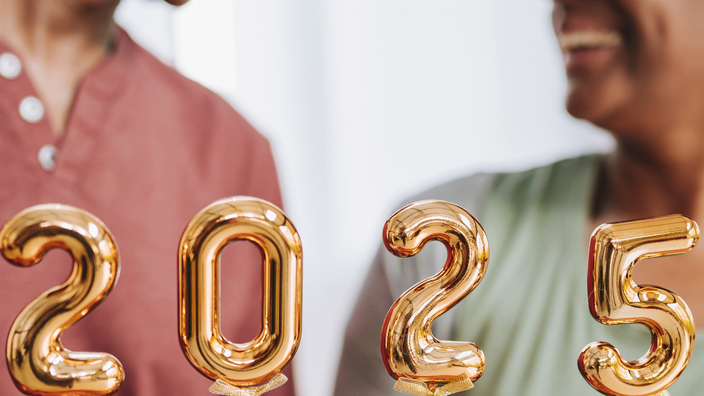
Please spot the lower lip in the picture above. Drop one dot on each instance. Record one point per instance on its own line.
(587, 59)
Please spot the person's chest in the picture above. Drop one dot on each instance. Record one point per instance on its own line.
(145, 189)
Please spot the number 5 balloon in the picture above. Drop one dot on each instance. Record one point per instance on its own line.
(614, 298)
(38, 362)
(410, 352)
(254, 362)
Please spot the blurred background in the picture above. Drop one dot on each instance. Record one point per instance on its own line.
(366, 102)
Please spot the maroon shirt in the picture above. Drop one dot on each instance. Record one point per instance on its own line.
(144, 150)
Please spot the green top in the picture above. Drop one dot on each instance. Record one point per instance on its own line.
(530, 313)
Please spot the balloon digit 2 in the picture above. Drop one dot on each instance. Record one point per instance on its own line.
(614, 298)
(408, 348)
(38, 362)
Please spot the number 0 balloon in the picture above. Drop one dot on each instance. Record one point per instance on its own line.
(38, 362)
(236, 366)
(614, 298)
(411, 354)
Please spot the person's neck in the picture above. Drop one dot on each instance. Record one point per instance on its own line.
(59, 42)
(660, 177)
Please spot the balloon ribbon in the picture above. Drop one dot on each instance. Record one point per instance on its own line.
(419, 388)
(222, 388)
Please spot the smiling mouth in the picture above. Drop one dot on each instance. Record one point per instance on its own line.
(586, 40)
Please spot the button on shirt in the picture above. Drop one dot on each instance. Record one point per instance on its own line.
(31, 109)
(10, 66)
(144, 150)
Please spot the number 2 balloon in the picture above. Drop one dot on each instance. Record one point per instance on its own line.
(422, 364)
(38, 362)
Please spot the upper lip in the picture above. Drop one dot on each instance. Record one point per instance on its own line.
(589, 39)
(580, 31)
(572, 21)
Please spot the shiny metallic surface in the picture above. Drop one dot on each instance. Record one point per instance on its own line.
(408, 347)
(202, 242)
(38, 362)
(614, 298)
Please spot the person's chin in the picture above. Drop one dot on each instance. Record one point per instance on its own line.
(583, 104)
(596, 98)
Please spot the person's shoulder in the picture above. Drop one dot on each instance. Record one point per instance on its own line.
(557, 168)
(468, 192)
(546, 182)
(161, 78)
(196, 107)
(471, 191)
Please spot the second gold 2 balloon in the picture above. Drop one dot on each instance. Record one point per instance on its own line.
(409, 350)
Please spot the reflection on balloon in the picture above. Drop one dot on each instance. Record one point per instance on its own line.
(254, 362)
(614, 298)
(410, 352)
(38, 362)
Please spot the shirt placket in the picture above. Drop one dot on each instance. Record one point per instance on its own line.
(32, 121)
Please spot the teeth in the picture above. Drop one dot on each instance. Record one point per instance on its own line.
(589, 39)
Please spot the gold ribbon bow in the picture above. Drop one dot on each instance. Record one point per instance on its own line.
(419, 388)
(222, 388)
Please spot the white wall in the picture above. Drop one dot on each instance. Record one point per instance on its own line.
(366, 102)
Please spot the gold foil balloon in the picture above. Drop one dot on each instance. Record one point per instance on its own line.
(37, 361)
(614, 298)
(410, 352)
(202, 242)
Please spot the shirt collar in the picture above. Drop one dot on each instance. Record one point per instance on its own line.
(106, 78)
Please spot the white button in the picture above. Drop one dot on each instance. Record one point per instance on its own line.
(31, 109)
(10, 66)
(47, 157)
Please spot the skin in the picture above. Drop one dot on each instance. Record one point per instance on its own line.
(648, 92)
(59, 42)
